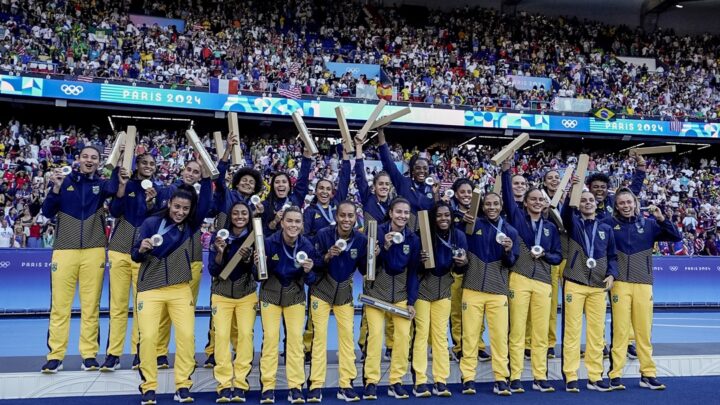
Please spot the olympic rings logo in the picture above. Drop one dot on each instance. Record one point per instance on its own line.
(71, 89)
(4, 265)
(674, 268)
(569, 123)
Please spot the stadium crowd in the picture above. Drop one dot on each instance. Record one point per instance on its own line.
(686, 189)
(462, 57)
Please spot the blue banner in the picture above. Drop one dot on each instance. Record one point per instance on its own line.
(357, 69)
(25, 281)
(420, 115)
(530, 82)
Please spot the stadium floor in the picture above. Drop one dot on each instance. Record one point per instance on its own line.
(28, 336)
(685, 390)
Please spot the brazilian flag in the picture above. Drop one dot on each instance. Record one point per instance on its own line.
(604, 114)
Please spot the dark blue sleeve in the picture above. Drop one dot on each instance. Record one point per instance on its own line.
(214, 268)
(51, 205)
(303, 181)
(509, 204)
(204, 203)
(397, 178)
(222, 167)
(637, 181)
(361, 181)
(146, 231)
(110, 187)
(612, 264)
(311, 276)
(553, 256)
(461, 241)
(343, 182)
(569, 215)
(666, 231)
(413, 284)
(308, 220)
(509, 258)
(117, 207)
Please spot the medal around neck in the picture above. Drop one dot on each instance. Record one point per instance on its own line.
(66, 170)
(591, 263)
(449, 193)
(341, 244)
(429, 181)
(398, 238)
(157, 240)
(500, 238)
(285, 206)
(537, 250)
(223, 234)
(255, 199)
(300, 258)
(146, 184)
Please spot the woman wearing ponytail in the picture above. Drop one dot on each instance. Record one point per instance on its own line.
(77, 200)
(135, 201)
(631, 296)
(163, 251)
(197, 177)
(233, 305)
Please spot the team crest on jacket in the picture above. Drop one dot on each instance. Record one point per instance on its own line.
(601, 234)
(96, 189)
(406, 249)
(353, 254)
(609, 209)
(546, 231)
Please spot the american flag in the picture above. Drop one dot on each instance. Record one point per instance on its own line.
(294, 68)
(21, 50)
(676, 125)
(86, 79)
(293, 92)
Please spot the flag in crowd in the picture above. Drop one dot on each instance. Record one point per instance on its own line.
(224, 86)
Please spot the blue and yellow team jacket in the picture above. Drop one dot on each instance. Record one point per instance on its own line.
(373, 208)
(79, 210)
(205, 203)
(549, 239)
(129, 212)
(604, 253)
(488, 262)
(296, 196)
(334, 283)
(284, 285)
(434, 283)
(634, 240)
(315, 215)
(241, 281)
(396, 270)
(419, 195)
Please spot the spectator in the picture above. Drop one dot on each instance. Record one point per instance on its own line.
(6, 234)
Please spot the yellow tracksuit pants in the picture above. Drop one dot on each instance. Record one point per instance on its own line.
(431, 319)
(294, 319)
(71, 267)
(590, 301)
(529, 297)
(389, 331)
(210, 346)
(632, 304)
(556, 275)
(164, 334)
(177, 302)
(123, 277)
(401, 345)
(475, 306)
(228, 312)
(456, 292)
(344, 317)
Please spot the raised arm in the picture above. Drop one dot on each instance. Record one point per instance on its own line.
(301, 186)
(509, 204)
(344, 180)
(397, 178)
